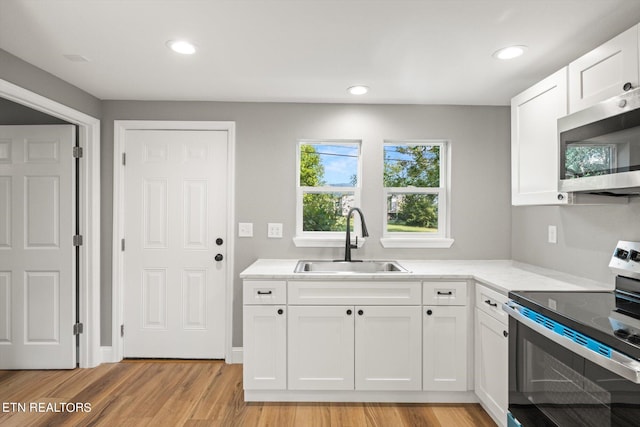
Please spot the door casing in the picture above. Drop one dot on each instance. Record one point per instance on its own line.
(90, 352)
(120, 129)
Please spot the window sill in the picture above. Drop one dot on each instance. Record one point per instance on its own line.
(324, 242)
(416, 242)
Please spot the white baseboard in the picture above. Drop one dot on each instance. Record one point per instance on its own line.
(236, 355)
(107, 355)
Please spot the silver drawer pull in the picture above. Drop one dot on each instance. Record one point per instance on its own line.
(265, 292)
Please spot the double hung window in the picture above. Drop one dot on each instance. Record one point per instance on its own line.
(415, 190)
(328, 185)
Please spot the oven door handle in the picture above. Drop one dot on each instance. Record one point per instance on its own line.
(619, 363)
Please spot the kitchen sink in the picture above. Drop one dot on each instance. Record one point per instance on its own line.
(338, 266)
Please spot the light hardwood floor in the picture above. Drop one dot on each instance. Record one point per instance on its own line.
(192, 393)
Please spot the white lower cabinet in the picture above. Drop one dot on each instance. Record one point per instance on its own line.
(265, 344)
(491, 354)
(321, 348)
(381, 341)
(354, 347)
(388, 351)
(444, 337)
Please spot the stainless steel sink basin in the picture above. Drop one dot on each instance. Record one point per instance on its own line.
(367, 266)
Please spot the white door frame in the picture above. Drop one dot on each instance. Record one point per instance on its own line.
(89, 137)
(120, 127)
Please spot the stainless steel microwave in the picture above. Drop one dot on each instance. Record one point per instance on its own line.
(600, 147)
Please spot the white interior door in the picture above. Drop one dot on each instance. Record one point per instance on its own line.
(37, 262)
(175, 210)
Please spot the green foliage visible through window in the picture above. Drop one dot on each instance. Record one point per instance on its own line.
(412, 179)
(328, 178)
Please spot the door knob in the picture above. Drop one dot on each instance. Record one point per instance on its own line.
(219, 257)
(219, 241)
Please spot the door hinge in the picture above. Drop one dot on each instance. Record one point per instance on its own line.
(122, 245)
(77, 152)
(121, 330)
(77, 240)
(124, 159)
(78, 328)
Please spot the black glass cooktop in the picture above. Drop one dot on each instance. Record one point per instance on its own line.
(613, 318)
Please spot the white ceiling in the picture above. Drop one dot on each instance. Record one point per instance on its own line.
(406, 51)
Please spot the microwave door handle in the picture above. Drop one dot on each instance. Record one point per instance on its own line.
(619, 363)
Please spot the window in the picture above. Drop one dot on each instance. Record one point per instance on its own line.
(415, 194)
(328, 185)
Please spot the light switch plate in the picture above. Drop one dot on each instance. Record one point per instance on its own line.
(274, 230)
(552, 234)
(245, 229)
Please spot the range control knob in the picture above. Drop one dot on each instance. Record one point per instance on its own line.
(621, 333)
(621, 253)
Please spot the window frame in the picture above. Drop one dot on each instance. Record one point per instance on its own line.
(325, 238)
(441, 238)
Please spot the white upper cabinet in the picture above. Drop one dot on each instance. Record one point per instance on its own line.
(534, 141)
(602, 73)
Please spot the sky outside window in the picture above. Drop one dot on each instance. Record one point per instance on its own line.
(340, 164)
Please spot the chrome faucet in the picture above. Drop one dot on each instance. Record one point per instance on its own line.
(347, 245)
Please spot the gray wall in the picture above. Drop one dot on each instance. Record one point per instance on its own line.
(265, 174)
(25, 75)
(12, 113)
(587, 236)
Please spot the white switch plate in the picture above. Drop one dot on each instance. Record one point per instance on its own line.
(274, 230)
(552, 234)
(245, 229)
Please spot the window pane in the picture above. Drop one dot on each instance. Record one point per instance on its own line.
(411, 165)
(412, 213)
(326, 211)
(325, 165)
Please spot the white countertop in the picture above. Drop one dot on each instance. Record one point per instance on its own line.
(501, 275)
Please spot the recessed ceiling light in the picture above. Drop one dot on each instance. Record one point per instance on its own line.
(358, 90)
(181, 46)
(509, 52)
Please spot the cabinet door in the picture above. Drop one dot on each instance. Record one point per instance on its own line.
(265, 347)
(491, 365)
(388, 351)
(321, 347)
(534, 141)
(601, 73)
(444, 351)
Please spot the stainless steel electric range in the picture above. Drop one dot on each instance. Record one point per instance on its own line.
(574, 357)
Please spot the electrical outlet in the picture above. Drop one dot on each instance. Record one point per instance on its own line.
(274, 230)
(245, 229)
(552, 236)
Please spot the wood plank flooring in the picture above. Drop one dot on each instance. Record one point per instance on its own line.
(192, 394)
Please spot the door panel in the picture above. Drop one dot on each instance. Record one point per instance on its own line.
(388, 353)
(37, 256)
(175, 208)
(321, 348)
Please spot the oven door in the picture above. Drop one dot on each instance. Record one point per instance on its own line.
(550, 385)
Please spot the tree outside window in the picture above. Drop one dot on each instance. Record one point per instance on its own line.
(328, 184)
(414, 190)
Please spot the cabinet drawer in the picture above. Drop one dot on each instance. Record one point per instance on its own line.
(353, 293)
(264, 292)
(444, 293)
(490, 302)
